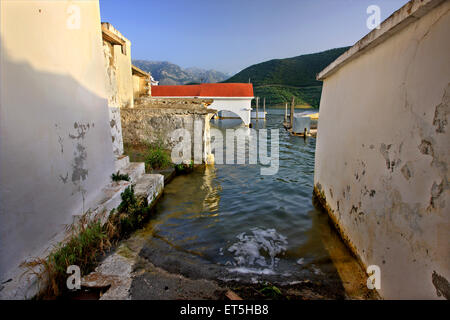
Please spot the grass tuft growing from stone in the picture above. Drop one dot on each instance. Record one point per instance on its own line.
(157, 156)
(120, 177)
(88, 241)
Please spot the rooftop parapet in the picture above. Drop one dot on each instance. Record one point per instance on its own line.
(410, 12)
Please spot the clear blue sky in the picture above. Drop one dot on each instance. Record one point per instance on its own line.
(229, 35)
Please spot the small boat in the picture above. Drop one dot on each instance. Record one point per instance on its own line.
(314, 116)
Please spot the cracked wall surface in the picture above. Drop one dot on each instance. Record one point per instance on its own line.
(55, 155)
(383, 153)
(117, 61)
(119, 84)
(116, 131)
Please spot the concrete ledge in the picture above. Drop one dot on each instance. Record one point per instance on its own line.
(174, 103)
(135, 170)
(116, 271)
(121, 162)
(149, 186)
(400, 19)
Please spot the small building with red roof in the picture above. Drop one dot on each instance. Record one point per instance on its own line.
(230, 97)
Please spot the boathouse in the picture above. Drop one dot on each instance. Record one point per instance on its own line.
(232, 97)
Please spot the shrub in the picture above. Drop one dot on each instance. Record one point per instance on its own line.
(184, 168)
(157, 156)
(131, 212)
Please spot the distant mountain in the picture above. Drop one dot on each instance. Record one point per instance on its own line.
(279, 79)
(207, 76)
(171, 74)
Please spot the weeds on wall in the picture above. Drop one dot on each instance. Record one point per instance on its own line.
(130, 214)
(271, 291)
(88, 241)
(157, 156)
(120, 177)
(183, 168)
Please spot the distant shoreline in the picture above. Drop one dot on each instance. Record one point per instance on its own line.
(289, 107)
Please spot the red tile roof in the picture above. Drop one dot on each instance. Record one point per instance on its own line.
(176, 91)
(205, 90)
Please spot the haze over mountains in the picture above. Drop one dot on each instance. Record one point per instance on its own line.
(168, 73)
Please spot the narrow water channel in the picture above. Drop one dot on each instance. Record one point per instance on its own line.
(231, 223)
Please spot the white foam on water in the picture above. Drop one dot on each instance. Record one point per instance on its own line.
(291, 283)
(301, 261)
(257, 251)
(252, 270)
(316, 270)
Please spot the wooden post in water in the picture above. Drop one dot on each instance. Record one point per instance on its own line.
(264, 108)
(257, 107)
(285, 114)
(292, 111)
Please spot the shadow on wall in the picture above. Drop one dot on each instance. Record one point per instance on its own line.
(53, 157)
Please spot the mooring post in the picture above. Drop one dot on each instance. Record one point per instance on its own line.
(292, 111)
(257, 107)
(264, 108)
(285, 114)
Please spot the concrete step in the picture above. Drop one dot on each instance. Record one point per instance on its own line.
(134, 169)
(121, 162)
(149, 186)
(110, 199)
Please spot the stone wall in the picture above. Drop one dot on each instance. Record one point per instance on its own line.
(156, 119)
(383, 153)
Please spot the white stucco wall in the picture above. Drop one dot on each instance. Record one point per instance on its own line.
(382, 156)
(241, 106)
(115, 123)
(55, 138)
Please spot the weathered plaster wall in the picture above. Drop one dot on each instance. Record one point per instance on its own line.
(141, 86)
(136, 86)
(120, 86)
(382, 157)
(114, 100)
(116, 131)
(55, 154)
(156, 119)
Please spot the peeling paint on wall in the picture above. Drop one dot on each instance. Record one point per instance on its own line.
(116, 130)
(78, 164)
(441, 113)
(441, 284)
(385, 178)
(406, 171)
